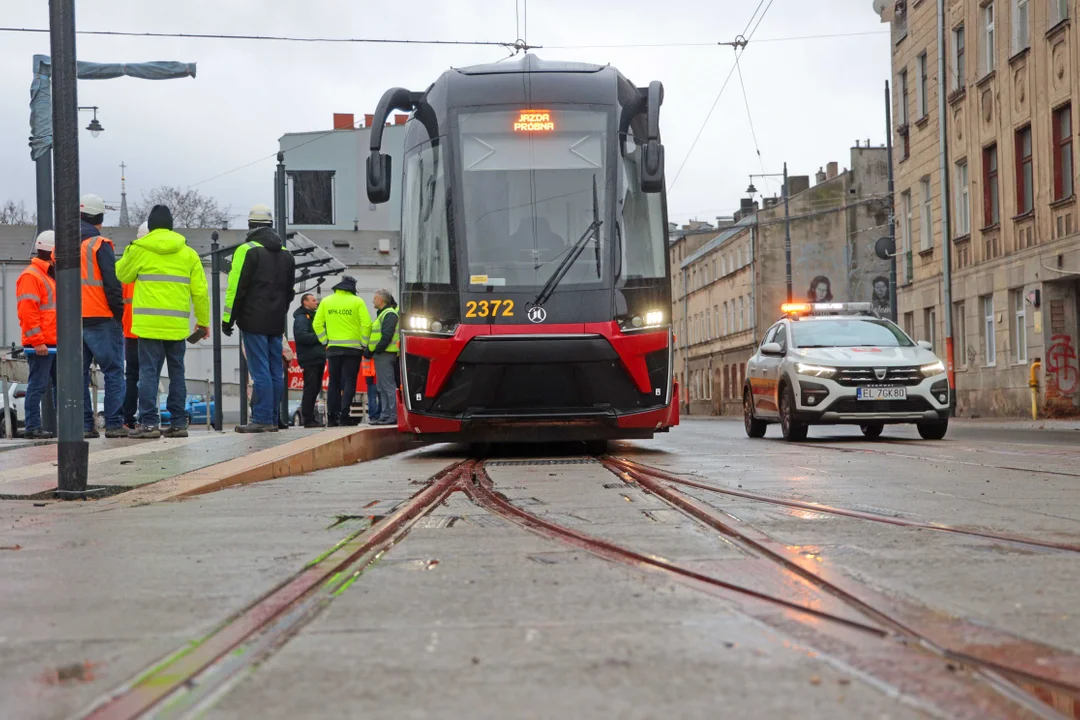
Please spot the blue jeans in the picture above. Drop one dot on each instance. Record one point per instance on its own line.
(104, 343)
(372, 399)
(386, 380)
(267, 373)
(153, 354)
(42, 372)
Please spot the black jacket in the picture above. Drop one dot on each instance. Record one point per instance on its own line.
(389, 326)
(309, 351)
(106, 260)
(265, 290)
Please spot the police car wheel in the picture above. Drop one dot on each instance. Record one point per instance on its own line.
(792, 430)
(933, 431)
(872, 431)
(754, 428)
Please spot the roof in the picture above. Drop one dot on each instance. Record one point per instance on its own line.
(530, 64)
(719, 240)
(352, 248)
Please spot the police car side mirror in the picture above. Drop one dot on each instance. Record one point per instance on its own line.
(772, 349)
(925, 345)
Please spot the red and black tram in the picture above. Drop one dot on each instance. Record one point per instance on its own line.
(535, 291)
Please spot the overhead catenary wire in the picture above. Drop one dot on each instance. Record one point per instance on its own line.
(272, 38)
(713, 43)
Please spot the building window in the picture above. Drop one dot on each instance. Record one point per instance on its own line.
(716, 320)
(312, 197)
(1063, 157)
(909, 324)
(960, 334)
(724, 322)
(739, 317)
(988, 45)
(926, 228)
(1021, 37)
(1024, 182)
(922, 90)
(989, 348)
(708, 324)
(902, 114)
(991, 204)
(1059, 11)
(930, 325)
(730, 314)
(1019, 332)
(958, 58)
(963, 201)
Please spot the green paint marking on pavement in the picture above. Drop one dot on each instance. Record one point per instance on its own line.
(335, 548)
(168, 660)
(348, 583)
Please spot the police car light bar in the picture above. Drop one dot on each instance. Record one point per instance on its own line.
(825, 308)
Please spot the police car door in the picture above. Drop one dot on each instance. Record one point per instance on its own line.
(768, 401)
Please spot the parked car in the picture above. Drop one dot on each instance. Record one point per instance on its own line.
(297, 418)
(196, 409)
(16, 398)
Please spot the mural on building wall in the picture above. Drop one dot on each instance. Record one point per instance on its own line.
(820, 290)
(880, 294)
(851, 272)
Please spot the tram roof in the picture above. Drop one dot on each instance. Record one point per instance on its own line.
(531, 64)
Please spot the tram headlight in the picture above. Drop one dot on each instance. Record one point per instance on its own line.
(419, 322)
(436, 326)
(654, 318)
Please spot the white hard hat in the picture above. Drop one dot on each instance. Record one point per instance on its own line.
(261, 214)
(45, 241)
(143, 229)
(92, 205)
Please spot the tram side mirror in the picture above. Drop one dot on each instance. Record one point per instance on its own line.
(378, 177)
(652, 167)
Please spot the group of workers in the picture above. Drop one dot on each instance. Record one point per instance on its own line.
(137, 315)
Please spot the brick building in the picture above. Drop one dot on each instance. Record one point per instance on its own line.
(1012, 72)
(727, 286)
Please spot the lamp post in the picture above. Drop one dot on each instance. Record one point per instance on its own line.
(94, 127)
(751, 190)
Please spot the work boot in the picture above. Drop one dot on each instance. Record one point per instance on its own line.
(91, 434)
(145, 432)
(312, 425)
(175, 432)
(37, 434)
(116, 432)
(256, 428)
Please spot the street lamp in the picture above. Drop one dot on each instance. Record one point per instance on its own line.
(787, 220)
(94, 127)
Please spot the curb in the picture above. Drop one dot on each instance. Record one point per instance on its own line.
(333, 448)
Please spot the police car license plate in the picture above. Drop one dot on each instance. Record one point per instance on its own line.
(881, 393)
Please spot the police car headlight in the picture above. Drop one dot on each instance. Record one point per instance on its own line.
(933, 369)
(814, 370)
(419, 322)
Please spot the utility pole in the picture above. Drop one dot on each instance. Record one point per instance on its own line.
(892, 204)
(280, 200)
(787, 233)
(72, 450)
(215, 295)
(946, 234)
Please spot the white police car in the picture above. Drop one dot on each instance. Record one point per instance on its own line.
(838, 363)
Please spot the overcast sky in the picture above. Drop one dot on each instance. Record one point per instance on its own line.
(810, 99)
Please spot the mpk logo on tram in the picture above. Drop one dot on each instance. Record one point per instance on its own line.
(537, 314)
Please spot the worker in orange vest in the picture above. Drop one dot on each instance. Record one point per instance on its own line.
(102, 319)
(131, 351)
(35, 293)
(367, 371)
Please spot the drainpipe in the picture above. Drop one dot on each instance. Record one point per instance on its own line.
(946, 235)
(1033, 383)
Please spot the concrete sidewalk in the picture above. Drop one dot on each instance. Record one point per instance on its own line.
(28, 470)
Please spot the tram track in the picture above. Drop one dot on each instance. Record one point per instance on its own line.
(1021, 680)
(862, 635)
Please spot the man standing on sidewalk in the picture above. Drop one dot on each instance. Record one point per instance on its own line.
(257, 300)
(310, 354)
(131, 351)
(343, 324)
(35, 293)
(102, 315)
(383, 345)
(169, 279)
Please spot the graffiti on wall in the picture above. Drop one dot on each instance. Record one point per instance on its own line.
(1062, 373)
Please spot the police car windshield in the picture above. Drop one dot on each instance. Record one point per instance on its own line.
(856, 332)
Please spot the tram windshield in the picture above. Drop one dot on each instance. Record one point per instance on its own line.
(534, 195)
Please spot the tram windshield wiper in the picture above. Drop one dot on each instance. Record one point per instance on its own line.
(591, 232)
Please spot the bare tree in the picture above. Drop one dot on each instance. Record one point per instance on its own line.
(12, 213)
(190, 209)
